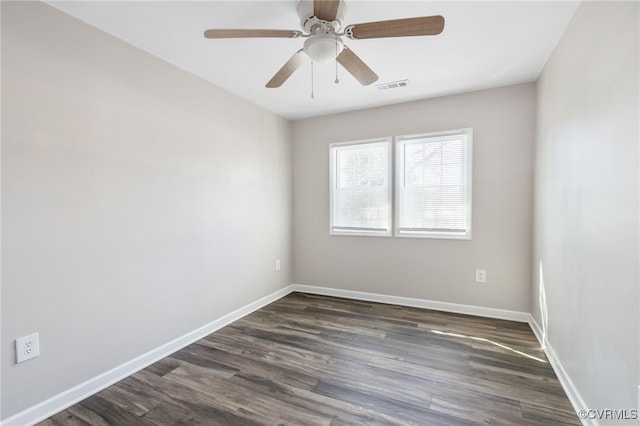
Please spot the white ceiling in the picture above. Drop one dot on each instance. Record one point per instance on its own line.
(484, 44)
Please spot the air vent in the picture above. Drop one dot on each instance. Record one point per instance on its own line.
(393, 85)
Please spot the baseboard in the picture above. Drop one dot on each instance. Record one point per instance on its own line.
(416, 303)
(76, 394)
(71, 396)
(567, 384)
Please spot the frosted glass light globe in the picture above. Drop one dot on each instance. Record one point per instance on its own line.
(322, 47)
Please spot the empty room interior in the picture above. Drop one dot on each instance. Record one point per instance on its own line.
(320, 212)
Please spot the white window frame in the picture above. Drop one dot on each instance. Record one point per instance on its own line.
(387, 141)
(400, 142)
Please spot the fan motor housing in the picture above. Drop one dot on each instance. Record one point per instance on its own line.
(311, 24)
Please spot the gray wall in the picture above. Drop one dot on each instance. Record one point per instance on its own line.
(129, 193)
(129, 198)
(503, 122)
(586, 257)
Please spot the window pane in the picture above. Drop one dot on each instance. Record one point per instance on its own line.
(360, 191)
(433, 174)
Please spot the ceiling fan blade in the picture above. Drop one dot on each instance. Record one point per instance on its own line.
(251, 33)
(326, 10)
(426, 25)
(352, 63)
(287, 69)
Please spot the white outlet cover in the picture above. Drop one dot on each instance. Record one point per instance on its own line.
(27, 347)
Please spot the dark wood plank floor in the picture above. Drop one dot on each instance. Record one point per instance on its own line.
(313, 360)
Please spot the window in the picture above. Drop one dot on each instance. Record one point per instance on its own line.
(433, 185)
(360, 195)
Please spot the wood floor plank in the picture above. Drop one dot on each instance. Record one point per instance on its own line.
(340, 411)
(272, 365)
(218, 406)
(413, 414)
(127, 400)
(366, 379)
(64, 418)
(541, 415)
(49, 422)
(239, 396)
(79, 412)
(504, 411)
(471, 384)
(111, 413)
(317, 360)
(202, 357)
(163, 366)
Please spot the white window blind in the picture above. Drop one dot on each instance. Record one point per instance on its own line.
(433, 178)
(360, 188)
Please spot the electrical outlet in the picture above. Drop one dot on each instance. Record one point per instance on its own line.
(481, 276)
(277, 264)
(27, 347)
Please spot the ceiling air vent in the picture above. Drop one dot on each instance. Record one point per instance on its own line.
(393, 85)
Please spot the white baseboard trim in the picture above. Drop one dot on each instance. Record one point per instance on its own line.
(71, 396)
(77, 393)
(416, 303)
(567, 384)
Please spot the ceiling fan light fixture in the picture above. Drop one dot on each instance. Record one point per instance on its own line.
(321, 22)
(323, 47)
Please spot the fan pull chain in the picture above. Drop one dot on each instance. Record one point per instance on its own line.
(312, 96)
(337, 80)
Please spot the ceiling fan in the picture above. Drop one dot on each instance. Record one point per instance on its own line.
(321, 22)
